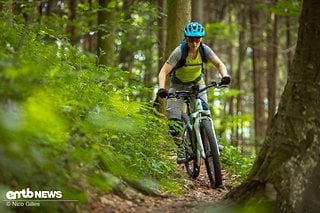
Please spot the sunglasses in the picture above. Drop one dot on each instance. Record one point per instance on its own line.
(193, 39)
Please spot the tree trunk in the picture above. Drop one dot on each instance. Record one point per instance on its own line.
(72, 17)
(289, 45)
(258, 70)
(231, 100)
(106, 33)
(150, 73)
(287, 170)
(90, 38)
(197, 11)
(271, 59)
(179, 14)
(215, 10)
(238, 78)
(126, 55)
(162, 33)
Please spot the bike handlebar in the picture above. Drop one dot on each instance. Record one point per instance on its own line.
(214, 84)
(196, 90)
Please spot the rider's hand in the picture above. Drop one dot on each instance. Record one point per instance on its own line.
(225, 80)
(162, 93)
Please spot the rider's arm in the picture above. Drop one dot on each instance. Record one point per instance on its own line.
(215, 60)
(165, 70)
(168, 66)
(219, 65)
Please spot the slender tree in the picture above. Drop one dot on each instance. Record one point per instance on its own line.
(72, 19)
(179, 14)
(162, 32)
(126, 54)
(197, 10)
(271, 58)
(258, 69)
(287, 170)
(229, 106)
(106, 32)
(90, 38)
(215, 10)
(238, 82)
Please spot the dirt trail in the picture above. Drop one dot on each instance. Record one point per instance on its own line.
(197, 192)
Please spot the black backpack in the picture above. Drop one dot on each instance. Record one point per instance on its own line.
(184, 54)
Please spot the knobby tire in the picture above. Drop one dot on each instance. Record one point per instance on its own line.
(212, 160)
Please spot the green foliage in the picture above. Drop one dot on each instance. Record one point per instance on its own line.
(221, 31)
(236, 162)
(222, 122)
(233, 159)
(68, 125)
(137, 36)
(285, 7)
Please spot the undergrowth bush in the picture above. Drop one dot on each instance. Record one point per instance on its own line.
(69, 125)
(237, 164)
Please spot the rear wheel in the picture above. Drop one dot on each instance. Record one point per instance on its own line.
(212, 160)
(189, 141)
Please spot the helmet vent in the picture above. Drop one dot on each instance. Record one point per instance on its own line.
(194, 29)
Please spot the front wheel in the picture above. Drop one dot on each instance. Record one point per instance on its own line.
(212, 160)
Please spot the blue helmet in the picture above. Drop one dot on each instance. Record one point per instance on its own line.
(194, 29)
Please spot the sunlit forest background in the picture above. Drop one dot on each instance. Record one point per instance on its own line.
(78, 81)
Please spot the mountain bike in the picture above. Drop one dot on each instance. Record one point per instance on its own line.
(199, 138)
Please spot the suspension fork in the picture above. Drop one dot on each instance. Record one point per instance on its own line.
(200, 149)
(214, 133)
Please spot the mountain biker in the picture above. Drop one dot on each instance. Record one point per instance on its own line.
(186, 72)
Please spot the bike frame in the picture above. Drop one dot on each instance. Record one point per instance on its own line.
(198, 114)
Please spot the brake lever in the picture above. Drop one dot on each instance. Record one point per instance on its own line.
(219, 84)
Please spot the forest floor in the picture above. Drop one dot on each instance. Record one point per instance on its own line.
(197, 193)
